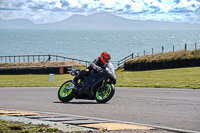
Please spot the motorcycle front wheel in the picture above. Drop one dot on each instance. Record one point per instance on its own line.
(103, 96)
(65, 93)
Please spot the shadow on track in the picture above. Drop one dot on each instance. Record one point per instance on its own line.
(79, 103)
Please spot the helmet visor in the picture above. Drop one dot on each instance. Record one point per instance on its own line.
(107, 60)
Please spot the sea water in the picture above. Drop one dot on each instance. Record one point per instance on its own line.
(88, 44)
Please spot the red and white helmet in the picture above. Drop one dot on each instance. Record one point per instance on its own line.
(105, 57)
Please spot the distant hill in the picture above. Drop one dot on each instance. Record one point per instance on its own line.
(98, 21)
(16, 24)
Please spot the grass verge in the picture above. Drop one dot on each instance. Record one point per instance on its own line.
(13, 127)
(40, 64)
(166, 78)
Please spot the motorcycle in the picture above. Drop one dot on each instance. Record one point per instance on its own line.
(97, 85)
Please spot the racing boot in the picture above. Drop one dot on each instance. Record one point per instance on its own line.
(75, 82)
(76, 86)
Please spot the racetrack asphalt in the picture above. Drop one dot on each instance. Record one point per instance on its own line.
(165, 107)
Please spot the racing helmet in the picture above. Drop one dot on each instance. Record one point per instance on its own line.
(105, 57)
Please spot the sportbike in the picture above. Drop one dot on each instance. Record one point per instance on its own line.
(97, 85)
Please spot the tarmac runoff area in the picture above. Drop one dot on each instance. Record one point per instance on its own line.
(70, 123)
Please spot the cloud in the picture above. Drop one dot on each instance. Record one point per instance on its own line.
(46, 11)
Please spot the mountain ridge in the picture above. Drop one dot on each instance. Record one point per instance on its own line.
(99, 21)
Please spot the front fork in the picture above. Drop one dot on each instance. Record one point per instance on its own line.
(103, 87)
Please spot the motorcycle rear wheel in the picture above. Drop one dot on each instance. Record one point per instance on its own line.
(65, 95)
(103, 96)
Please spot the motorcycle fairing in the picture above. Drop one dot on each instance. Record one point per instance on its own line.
(94, 79)
(87, 91)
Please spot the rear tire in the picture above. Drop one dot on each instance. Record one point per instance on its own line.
(106, 95)
(65, 95)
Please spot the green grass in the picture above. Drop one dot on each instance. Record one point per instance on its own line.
(16, 127)
(169, 78)
(33, 80)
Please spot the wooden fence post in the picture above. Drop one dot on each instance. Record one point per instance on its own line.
(173, 48)
(162, 49)
(49, 58)
(185, 47)
(152, 50)
(195, 46)
(9, 60)
(24, 58)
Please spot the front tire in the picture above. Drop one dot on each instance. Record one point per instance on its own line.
(65, 95)
(103, 96)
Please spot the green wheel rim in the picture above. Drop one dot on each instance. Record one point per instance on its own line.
(63, 92)
(103, 95)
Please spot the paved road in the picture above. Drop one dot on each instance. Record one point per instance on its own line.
(175, 108)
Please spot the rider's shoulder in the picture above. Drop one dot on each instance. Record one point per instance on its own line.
(96, 60)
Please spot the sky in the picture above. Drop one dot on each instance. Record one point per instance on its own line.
(49, 11)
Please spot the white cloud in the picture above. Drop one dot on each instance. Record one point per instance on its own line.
(44, 11)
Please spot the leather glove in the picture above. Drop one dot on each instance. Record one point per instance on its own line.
(103, 67)
(99, 68)
(94, 66)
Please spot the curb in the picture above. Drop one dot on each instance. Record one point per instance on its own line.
(58, 125)
(74, 123)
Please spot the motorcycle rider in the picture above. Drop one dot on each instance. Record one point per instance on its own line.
(98, 64)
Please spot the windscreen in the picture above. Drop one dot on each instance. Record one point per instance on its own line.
(111, 67)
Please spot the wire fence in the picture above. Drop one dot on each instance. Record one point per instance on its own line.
(173, 49)
(131, 56)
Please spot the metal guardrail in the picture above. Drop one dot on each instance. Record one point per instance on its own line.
(44, 58)
(38, 58)
(49, 57)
